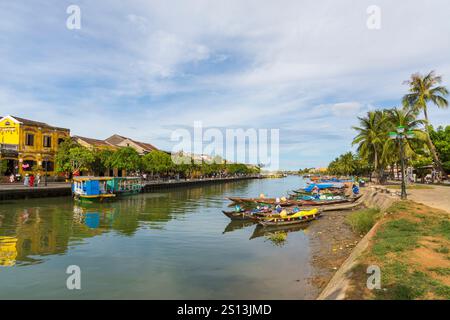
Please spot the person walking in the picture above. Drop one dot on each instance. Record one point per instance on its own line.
(38, 179)
(26, 180)
(32, 181)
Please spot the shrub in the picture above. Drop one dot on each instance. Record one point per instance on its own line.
(363, 220)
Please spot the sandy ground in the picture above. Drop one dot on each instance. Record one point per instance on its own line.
(438, 197)
(332, 241)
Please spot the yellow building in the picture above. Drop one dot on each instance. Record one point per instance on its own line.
(27, 144)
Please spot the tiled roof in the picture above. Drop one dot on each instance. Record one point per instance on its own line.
(117, 139)
(36, 123)
(145, 146)
(93, 142)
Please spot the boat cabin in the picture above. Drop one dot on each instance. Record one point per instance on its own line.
(92, 187)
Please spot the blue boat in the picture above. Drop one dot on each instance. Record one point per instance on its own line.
(92, 189)
(103, 188)
(322, 186)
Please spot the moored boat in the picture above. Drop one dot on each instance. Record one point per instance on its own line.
(288, 202)
(287, 219)
(92, 189)
(123, 186)
(103, 188)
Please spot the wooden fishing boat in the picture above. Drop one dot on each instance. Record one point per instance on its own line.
(286, 219)
(288, 202)
(332, 191)
(239, 216)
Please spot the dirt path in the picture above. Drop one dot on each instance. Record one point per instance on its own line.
(437, 197)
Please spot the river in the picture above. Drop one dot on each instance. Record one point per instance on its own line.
(173, 244)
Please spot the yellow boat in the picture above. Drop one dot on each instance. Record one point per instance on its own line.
(284, 218)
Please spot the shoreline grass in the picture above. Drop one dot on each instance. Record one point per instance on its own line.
(411, 247)
(362, 221)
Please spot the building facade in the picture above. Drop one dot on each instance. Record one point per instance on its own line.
(26, 145)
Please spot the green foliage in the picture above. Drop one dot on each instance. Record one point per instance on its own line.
(377, 152)
(157, 162)
(441, 140)
(425, 89)
(277, 238)
(349, 164)
(3, 167)
(363, 220)
(73, 157)
(305, 171)
(102, 160)
(127, 159)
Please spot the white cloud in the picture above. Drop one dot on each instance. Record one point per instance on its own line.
(158, 64)
(346, 109)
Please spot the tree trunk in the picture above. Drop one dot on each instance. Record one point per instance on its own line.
(431, 146)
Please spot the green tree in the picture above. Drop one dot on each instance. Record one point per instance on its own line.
(73, 157)
(157, 162)
(424, 89)
(441, 139)
(372, 133)
(127, 159)
(3, 167)
(102, 160)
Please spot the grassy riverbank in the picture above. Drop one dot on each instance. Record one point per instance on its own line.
(411, 247)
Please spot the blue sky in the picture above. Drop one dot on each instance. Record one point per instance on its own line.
(145, 68)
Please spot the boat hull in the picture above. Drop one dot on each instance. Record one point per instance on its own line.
(288, 221)
(289, 203)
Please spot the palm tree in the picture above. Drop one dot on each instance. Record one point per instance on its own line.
(408, 119)
(372, 133)
(347, 161)
(423, 89)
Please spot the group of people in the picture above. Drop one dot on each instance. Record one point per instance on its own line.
(31, 180)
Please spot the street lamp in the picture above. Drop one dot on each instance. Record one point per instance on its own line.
(400, 136)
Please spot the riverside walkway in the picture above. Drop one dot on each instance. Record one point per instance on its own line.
(9, 191)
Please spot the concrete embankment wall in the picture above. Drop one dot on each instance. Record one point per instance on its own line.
(43, 192)
(374, 197)
(65, 190)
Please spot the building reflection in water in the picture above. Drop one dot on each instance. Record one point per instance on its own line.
(33, 229)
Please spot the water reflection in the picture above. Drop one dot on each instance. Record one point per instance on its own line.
(174, 244)
(268, 230)
(48, 226)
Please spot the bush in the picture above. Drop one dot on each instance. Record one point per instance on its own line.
(363, 220)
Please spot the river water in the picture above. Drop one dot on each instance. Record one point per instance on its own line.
(173, 244)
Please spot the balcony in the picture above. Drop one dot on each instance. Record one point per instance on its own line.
(10, 147)
(9, 150)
